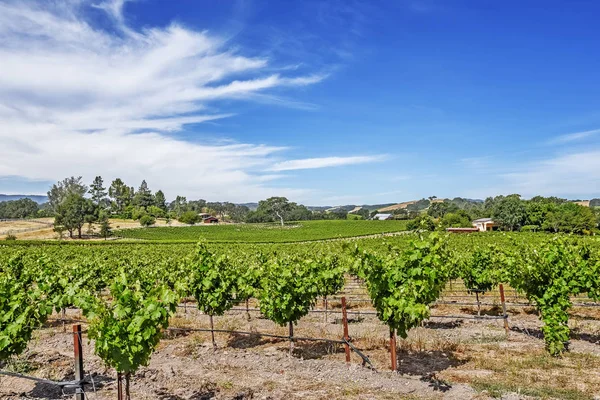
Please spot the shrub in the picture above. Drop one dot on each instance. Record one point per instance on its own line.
(530, 228)
(189, 217)
(10, 236)
(422, 222)
(147, 220)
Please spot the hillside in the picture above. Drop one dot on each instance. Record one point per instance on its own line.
(10, 197)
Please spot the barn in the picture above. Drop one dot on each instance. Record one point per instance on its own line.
(382, 217)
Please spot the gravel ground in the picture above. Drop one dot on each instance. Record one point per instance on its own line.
(438, 361)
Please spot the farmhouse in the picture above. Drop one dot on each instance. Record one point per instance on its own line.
(484, 224)
(383, 217)
(210, 220)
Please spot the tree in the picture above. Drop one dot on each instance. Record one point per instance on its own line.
(179, 205)
(147, 220)
(276, 206)
(239, 213)
(98, 191)
(73, 212)
(120, 194)
(189, 217)
(363, 212)
(22, 208)
(160, 200)
(62, 189)
(509, 212)
(421, 222)
(156, 212)
(143, 197)
(105, 228)
(459, 219)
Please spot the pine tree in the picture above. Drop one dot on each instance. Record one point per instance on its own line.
(160, 201)
(98, 191)
(105, 228)
(143, 197)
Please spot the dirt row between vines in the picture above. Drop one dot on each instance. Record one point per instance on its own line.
(444, 359)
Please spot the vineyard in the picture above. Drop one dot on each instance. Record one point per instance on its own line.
(268, 233)
(496, 303)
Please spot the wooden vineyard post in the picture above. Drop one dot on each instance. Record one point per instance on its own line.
(77, 349)
(504, 314)
(393, 349)
(291, 338)
(212, 332)
(345, 323)
(325, 308)
(248, 309)
(478, 303)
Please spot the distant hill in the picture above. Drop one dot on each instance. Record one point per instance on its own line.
(349, 207)
(37, 198)
(251, 206)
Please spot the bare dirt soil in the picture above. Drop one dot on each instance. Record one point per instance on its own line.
(45, 232)
(447, 358)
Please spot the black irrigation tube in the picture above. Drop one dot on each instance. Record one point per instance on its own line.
(63, 384)
(371, 312)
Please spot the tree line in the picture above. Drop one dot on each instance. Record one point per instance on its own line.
(509, 213)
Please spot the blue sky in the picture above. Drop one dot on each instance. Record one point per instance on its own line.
(324, 102)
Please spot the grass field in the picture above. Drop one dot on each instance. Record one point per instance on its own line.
(267, 233)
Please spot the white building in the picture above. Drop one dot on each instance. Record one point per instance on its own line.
(382, 217)
(484, 224)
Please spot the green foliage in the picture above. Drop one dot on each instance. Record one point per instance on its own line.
(105, 228)
(330, 275)
(127, 328)
(267, 233)
(73, 212)
(422, 222)
(23, 307)
(510, 212)
(288, 289)
(143, 197)
(277, 207)
(15, 209)
(483, 270)
(213, 281)
(147, 220)
(98, 191)
(155, 211)
(189, 217)
(549, 275)
(402, 284)
(459, 219)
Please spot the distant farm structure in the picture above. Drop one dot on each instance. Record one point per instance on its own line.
(484, 224)
(383, 217)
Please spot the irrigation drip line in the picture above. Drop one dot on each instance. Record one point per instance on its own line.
(288, 337)
(63, 384)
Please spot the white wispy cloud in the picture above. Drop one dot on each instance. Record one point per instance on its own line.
(573, 174)
(570, 175)
(573, 137)
(323, 162)
(77, 99)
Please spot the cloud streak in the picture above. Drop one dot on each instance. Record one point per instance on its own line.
(573, 137)
(79, 99)
(324, 162)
